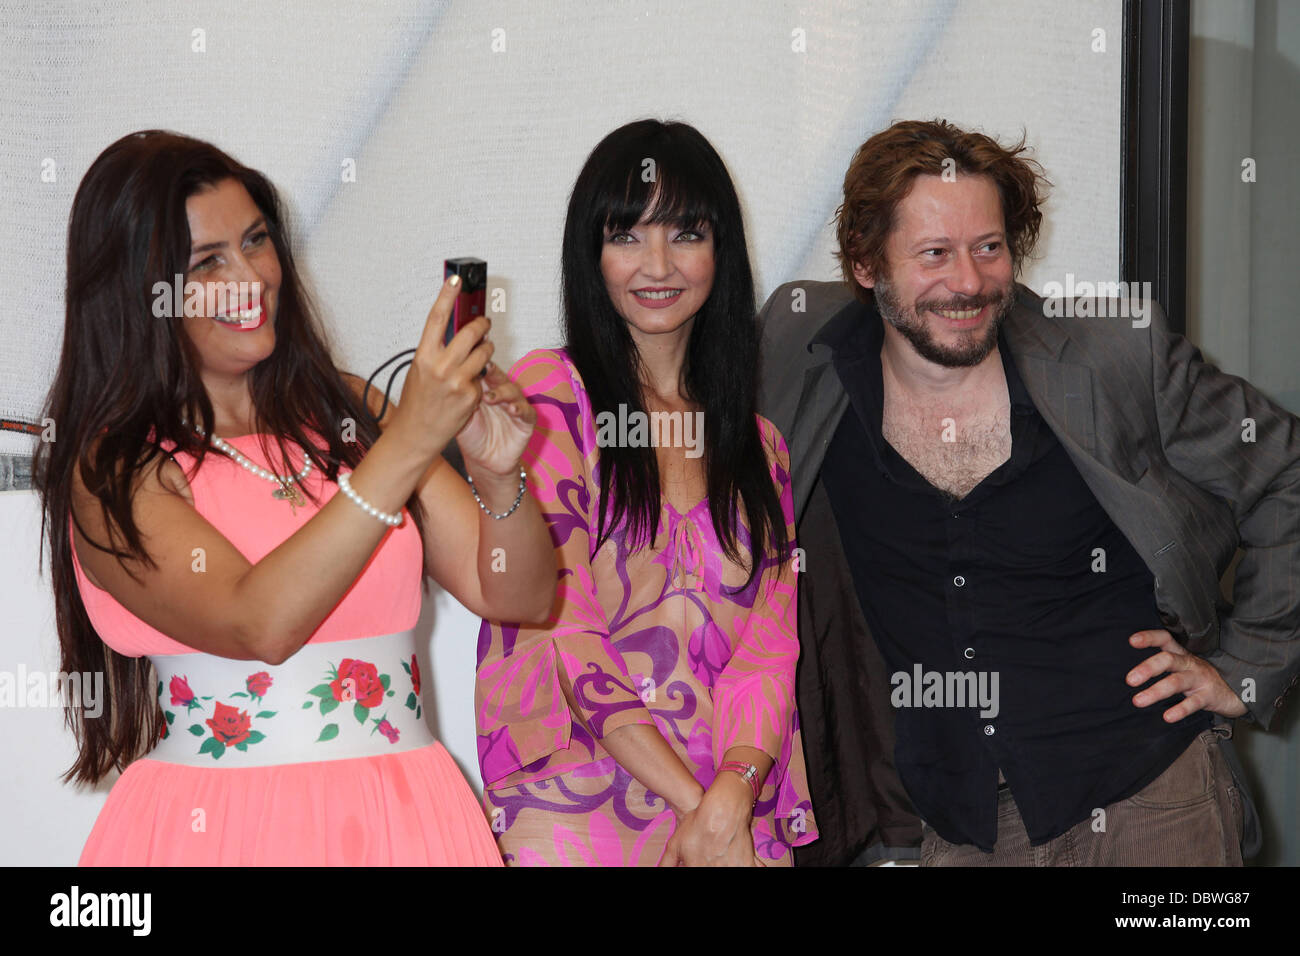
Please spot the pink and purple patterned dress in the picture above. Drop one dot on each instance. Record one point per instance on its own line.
(648, 636)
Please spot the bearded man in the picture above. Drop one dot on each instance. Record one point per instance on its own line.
(1014, 515)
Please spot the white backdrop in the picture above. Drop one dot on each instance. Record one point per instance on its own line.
(466, 124)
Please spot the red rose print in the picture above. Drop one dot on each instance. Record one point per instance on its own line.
(358, 681)
(182, 696)
(388, 730)
(229, 725)
(258, 684)
(415, 674)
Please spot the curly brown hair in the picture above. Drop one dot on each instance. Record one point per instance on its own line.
(881, 175)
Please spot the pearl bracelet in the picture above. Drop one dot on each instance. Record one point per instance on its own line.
(345, 486)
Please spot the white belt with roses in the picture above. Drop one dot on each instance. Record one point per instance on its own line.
(329, 701)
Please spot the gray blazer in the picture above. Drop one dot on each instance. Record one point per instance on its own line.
(1156, 433)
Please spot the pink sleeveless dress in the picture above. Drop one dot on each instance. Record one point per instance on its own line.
(235, 779)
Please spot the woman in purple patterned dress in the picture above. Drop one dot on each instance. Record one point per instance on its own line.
(653, 721)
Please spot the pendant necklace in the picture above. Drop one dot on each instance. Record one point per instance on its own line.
(286, 485)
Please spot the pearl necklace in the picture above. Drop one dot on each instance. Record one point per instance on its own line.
(287, 486)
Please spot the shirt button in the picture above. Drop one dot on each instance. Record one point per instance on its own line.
(988, 730)
(959, 581)
(970, 652)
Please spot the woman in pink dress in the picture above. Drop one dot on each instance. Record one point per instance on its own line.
(653, 722)
(254, 623)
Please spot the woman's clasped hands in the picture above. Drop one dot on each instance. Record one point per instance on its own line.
(716, 831)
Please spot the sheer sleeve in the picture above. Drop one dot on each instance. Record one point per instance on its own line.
(523, 717)
(754, 697)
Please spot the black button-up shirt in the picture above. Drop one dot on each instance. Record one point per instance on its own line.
(1004, 618)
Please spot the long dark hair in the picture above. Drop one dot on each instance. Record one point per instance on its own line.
(690, 186)
(124, 372)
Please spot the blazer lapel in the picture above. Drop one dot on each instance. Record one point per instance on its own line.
(821, 403)
(1111, 460)
(1063, 393)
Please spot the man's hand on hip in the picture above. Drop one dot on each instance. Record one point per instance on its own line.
(1202, 687)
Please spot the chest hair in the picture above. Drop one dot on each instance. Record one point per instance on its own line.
(953, 450)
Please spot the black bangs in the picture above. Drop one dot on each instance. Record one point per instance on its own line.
(654, 170)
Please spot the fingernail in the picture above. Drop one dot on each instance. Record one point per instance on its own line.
(454, 280)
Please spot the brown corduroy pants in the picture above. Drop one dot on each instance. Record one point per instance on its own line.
(1191, 815)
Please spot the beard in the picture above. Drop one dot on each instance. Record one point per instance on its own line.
(973, 345)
